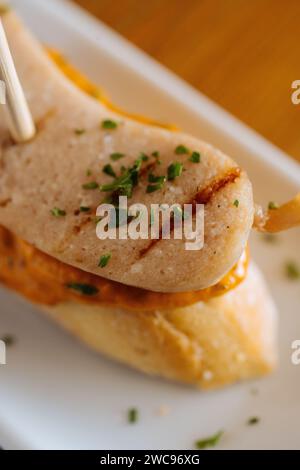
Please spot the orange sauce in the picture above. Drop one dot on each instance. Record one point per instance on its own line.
(96, 92)
(43, 279)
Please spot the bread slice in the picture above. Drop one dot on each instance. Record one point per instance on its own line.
(209, 344)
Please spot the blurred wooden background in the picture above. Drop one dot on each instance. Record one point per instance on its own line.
(244, 54)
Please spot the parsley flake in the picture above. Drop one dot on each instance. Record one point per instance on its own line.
(132, 415)
(195, 157)
(56, 212)
(84, 209)
(90, 185)
(273, 205)
(116, 156)
(181, 150)
(210, 441)
(253, 420)
(292, 270)
(109, 124)
(108, 170)
(84, 289)
(104, 260)
(174, 170)
(79, 131)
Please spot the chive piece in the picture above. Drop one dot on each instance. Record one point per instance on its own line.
(104, 260)
(91, 185)
(85, 289)
(108, 170)
(88, 172)
(109, 124)
(56, 212)
(9, 340)
(269, 237)
(195, 157)
(123, 185)
(151, 188)
(236, 203)
(253, 420)
(181, 150)
(132, 415)
(155, 154)
(174, 170)
(144, 157)
(84, 209)
(116, 156)
(156, 179)
(292, 270)
(79, 131)
(210, 441)
(273, 205)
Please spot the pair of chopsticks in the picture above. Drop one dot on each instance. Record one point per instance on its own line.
(18, 115)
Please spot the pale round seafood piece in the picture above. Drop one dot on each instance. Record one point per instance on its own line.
(45, 177)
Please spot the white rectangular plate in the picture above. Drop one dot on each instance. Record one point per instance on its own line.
(55, 393)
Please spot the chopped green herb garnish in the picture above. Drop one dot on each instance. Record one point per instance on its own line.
(84, 209)
(151, 188)
(292, 270)
(174, 170)
(273, 205)
(9, 340)
(58, 212)
(144, 157)
(116, 156)
(236, 203)
(269, 237)
(79, 131)
(104, 260)
(155, 154)
(156, 179)
(181, 150)
(109, 124)
(195, 157)
(85, 289)
(124, 184)
(91, 185)
(210, 441)
(108, 170)
(253, 420)
(88, 172)
(133, 415)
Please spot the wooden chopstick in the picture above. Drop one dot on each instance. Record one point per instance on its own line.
(18, 115)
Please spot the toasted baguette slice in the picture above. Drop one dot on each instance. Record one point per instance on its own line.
(209, 344)
(50, 172)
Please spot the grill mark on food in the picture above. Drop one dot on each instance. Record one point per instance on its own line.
(204, 196)
(77, 228)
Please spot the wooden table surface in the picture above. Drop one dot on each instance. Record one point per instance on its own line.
(244, 54)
